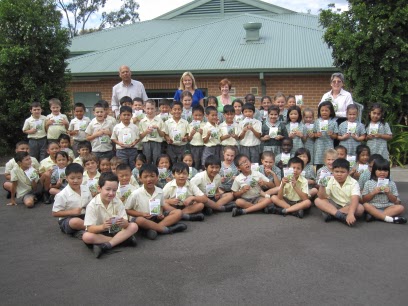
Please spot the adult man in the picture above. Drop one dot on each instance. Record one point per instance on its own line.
(127, 87)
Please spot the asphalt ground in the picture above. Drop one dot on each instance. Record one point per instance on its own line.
(248, 260)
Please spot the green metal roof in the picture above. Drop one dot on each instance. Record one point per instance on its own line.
(284, 46)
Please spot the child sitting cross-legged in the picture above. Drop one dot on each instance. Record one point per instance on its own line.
(293, 194)
(146, 205)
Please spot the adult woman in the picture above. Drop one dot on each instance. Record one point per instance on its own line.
(224, 98)
(338, 96)
(187, 82)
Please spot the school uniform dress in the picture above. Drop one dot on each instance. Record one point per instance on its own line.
(350, 143)
(273, 144)
(380, 200)
(324, 142)
(377, 145)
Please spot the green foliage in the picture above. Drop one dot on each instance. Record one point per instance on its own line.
(398, 145)
(33, 49)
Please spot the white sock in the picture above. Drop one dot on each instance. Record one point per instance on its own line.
(389, 219)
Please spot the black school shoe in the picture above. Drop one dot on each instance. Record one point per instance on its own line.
(327, 217)
(237, 212)
(399, 220)
(196, 217)
(150, 234)
(178, 227)
(229, 207)
(46, 197)
(97, 250)
(270, 209)
(369, 218)
(132, 241)
(207, 211)
(300, 213)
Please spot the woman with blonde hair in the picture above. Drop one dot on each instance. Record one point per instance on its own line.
(187, 82)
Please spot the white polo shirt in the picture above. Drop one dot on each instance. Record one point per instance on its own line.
(69, 199)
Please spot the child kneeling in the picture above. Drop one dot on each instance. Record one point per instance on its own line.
(146, 205)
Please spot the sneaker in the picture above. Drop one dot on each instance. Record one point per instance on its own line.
(178, 227)
(132, 241)
(207, 211)
(270, 209)
(78, 234)
(369, 218)
(400, 220)
(8, 194)
(229, 207)
(197, 217)
(237, 212)
(300, 213)
(343, 218)
(327, 217)
(97, 250)
(151, 234)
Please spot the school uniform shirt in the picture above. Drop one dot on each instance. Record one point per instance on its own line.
(79, 125)
(290, 193)
(78, 160)
(227, 129)
(69, 152)
(250, 140)
(92, 183)
(125, 133)
(177, 130)
(58, 174)
(380, 200)
(274, 169)
(164, 116)
(169, 191)
(228, 172)
(125, 191)
(154, 136)
(38, 124)
(97, 213)
(11, 164)
(68, 199)
(273, 144)
(57, 128)
(112, 120)
(197, 139)
(379, 145)
(139, 199)
(342, 194)
(187, 114)
(46, 164)
(202, 181)
(250, 180)
(309, 173)
(102, 143)
(23, 181)
(364, 177)
(214, 139)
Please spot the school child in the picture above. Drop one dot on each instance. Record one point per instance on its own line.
(188, 159)
(69, 205)
(295, 127)
(330, 155)
(164, 107)
(378, 131)
(126, 135)
(308, 132)
(237, 104)
(34, 127)
(24, 180)
(186, 100)
(341, 151)
(177, 131)
(213, 101)
(282, 159)
(268, 168)
(47, 165)
(247, 188)
(196, 136)
(228, 169)
(83, 149)
(77, 127)
(58, 177)
(91, 173)
(65, 142)
(250, 98)
(266, 103)
(293, 195)
(340, 198)
(138, 110)
(139, 162)
(152, 130)
(325, 131)
(308, 170)
(56, 123)
(249, 131)
(124, 174)
(106, 220)
(114, 162)
(99, 132)
(228, 129)
(291, 101)
(351, 132)
(280, 101)
(164, 166)
(366, 174)
(146, 206)
(380, 195)
(211, 135)
(112, 120)
(104, 165)
(273, 131)
(181, 194)
(209, 182)
(126, 101)
(362, 156)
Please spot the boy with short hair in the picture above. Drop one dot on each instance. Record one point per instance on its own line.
(228, 129)
(177, 130)
(138, 110)
(211, 135)
(124, 174)
(56, 123)
(340, 198)
(181, 194)
(91, 173)
(126, 135)
(209, 182)
(196, 136)
(164, 107)
(69, 205)
(24, 180)
(77, 127)
(247, 188)
(293, 194)
(146, 205)
(250, 98)
(106, 220)
(99, 132)
(34, 127)
(83, 150)
(153, 129)
(105, 104)
(249, 131)
(126, 101)
(64, 142)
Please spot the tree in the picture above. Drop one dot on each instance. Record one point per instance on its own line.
(33, 50)
(370, 44)
(78, 13)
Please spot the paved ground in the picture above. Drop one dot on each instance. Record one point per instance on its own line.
(257, 259)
